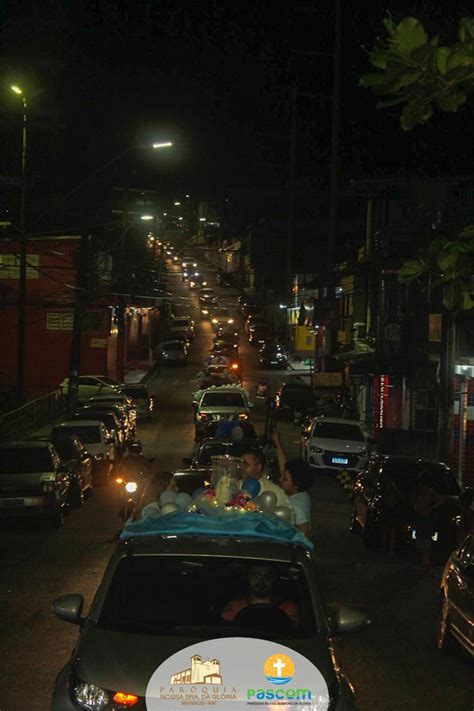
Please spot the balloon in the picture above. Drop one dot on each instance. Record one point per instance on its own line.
(183, 500)
(167, 497)
(267, 501)
(284, 513)
(252, 486)
(169, 508)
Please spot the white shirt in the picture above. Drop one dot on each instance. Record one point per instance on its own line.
(301, 505)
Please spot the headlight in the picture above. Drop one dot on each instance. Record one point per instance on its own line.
(119, 480)
(205, 312)
(90, 696)
(231, 320)
(185, 274)
(214, 320)
(204, 283)
(131, 487)
(191, 283)
(99, 456)
(243, 416)
(194, 264)
(316, 450)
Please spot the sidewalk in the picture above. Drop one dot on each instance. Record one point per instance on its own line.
(139, 372)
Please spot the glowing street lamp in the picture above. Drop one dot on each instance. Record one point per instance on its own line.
(202, 219)
(146, 217)
(177, 203)
(163, 144)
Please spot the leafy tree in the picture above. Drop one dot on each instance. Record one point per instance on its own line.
(416, 73)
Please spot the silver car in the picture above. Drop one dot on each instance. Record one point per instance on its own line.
(143, 613)
(172, 352)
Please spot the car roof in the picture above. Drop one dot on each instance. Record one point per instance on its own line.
(208, 545)
(25, 444)
(337, 420)
(82, 423)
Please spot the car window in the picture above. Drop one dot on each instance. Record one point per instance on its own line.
(338, 430)
(138, 602)
(25, 461)
(223, 400)
(89, 381)
(137, 393)
(87, 435)
(108, 381)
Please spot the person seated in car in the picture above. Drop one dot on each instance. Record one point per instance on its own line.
(254, 463)
(296, 479)
(261, 579)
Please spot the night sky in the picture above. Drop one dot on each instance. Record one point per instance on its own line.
(105, 76)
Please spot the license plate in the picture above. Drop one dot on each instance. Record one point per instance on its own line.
(11, 503)
(340, 460)
(273, 362)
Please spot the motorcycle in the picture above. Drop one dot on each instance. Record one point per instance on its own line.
(131, 485)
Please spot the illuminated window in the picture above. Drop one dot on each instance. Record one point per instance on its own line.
(10, 266)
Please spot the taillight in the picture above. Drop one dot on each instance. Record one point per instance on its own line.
(124, 699)
(202, 416)
(235, 366)
(243, 416)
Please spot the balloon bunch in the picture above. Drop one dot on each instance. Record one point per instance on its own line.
(171, 502)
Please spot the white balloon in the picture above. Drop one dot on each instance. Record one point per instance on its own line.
(169, 508)
(267, 501)
(284, 513)
(183, 500)
(167, 497)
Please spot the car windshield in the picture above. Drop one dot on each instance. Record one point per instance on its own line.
(87, 435)
(65, 447)
(338, 430)
(223, 400)
(25, 461)
(234, 449)
(181, 322)
(221, 601)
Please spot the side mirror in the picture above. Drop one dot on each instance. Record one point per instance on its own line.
(187, 460)
(344, 619)
(68, 608)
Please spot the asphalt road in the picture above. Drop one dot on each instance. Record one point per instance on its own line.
(393, 665)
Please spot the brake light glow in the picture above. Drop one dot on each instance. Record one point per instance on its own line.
(124, 699)
(235, 366)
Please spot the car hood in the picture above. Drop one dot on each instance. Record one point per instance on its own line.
(125, 662)
(339, 445)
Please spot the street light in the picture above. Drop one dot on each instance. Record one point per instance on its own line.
(202, 219)
(146, 217)
(177, 203)
(20, 372)
(163, 144)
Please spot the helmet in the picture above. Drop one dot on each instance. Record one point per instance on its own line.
(136, 447)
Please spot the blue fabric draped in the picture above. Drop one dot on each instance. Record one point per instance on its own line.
(249, 525)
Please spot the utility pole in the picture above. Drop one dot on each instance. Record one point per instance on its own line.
(291, 196)
(335, 129)
(79, 309)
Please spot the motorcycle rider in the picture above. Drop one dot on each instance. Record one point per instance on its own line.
(135, 463)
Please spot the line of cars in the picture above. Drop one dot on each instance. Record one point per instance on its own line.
(46, 475)
(144, 604)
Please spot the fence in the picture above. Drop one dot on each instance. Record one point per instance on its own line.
(23, 421)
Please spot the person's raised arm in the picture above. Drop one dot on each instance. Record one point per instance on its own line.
(281, 456)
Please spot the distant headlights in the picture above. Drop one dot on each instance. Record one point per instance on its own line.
(131, 487)
(90, 696)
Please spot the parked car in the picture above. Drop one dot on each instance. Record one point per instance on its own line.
(259, 333)
(335, 443)
(144, 401)
(197, 280)
(118, 399)
(90, 385)
(207, 307)
(136, 622)
(384, 503)
(225, 402)
(94, 436)
(182, 325)
(109, 419)
(255, 318)
(125, 423)
(79, 462)
(33, 481)
(293, 396)
(172, 353)
(456, 613)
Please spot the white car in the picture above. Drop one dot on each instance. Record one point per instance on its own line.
(335, 443)
(93, 434)
(90, 385)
